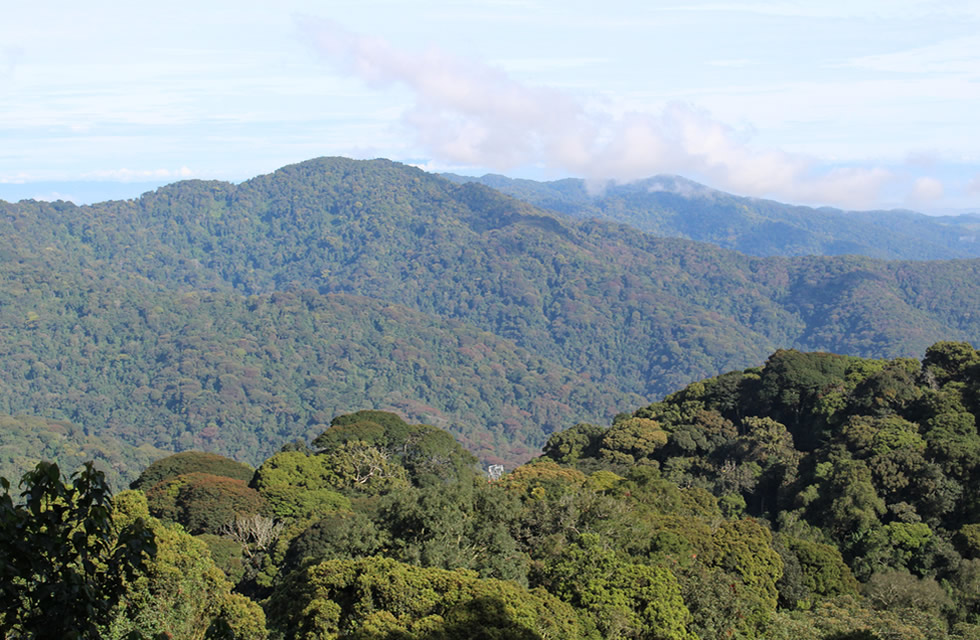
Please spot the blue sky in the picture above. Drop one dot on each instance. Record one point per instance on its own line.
(849, 104)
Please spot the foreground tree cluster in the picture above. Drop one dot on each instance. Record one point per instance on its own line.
(819, 497)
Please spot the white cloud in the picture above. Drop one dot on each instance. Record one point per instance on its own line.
(847, 9)
(731, 63)
(955, 56)
(9, 58)
(466, 112)
(16, 178)
(55, 196)
(138, 175)
(974, 185)
(926, 190)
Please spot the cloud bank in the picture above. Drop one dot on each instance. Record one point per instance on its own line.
(466, 112)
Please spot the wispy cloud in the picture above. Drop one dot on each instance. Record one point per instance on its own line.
(731, 63)
(15, 178)
(9, 58)
(826, 9)
(974, 185)
(138, 175)
(55, 196)
(466, 112)
(926, 191)
(954, 56)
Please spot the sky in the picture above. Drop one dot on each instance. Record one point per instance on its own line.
(851, 104)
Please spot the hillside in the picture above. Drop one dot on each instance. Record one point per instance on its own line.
(206, 314)
(236, 374)
(675, 207)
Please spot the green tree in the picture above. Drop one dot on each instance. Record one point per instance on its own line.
(203, 503)
(632, 440)
(824, 572)
(950, 360)
(580, 441)
(180, 593)
(464, 525)
(64, 563)
(191, 462)
(381, 599)
(621, 599)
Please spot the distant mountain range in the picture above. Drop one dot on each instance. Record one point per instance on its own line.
(236, 317)
(675, 207)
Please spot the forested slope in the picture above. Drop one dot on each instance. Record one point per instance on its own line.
(672, 206)
(206, 314)
(238, 375)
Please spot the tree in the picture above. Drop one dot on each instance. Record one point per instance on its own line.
(180, 593)
(191, 462)
(950, 360)
(378, 439)
(621, 599)
(573, 443)
(63, 562)
(632, 440)
(203, 503)
(824, 572)
(379, 598)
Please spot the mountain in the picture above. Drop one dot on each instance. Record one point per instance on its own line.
(675, 207)
(237, 317)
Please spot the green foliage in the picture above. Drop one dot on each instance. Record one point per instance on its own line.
(64, 562)
(191, 462)
(380, 598)
(227, 555)
(26, 439)
(300, 485)
(619, 598)
(825, 574)
(631, 440)
(848, 618)
(428, 454)
(792, 387)
(337, 535)
(238, 317)
(601, 523)
(901, 590)
(569, 445)
(862, 466)
(180, 593)
(465, 525)
(968, 540)
(541, 477)
(202, 502)
(720, 604)
(950, 361)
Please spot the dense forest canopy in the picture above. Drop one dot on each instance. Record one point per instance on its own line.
(233, 318)
(817, 497)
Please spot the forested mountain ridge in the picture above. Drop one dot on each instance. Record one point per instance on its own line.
(672, 206)
(222, 316)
